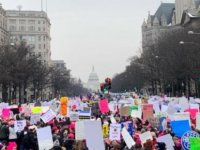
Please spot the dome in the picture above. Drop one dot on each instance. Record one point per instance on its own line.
(93, 81)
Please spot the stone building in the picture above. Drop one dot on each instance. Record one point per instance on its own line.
(93, 81)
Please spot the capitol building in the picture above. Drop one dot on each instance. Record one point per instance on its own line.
(93, 81)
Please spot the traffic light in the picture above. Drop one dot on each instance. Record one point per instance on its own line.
(102, 87)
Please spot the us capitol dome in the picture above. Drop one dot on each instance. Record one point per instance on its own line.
(93, 81)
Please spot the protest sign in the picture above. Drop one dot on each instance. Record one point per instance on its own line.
(36, 110)
(145, 136)
(5, 113)
(74, 116)
(112, 119)
(79, 130)
(194, 106)
(154, 122)
(180, 127)
(124, 111)
(115, 132)
(156, 106)
(147, 110)
(167, 139)
(185, 139)
(48, 116)
(103, 105)
(194, 143)
(164, 108)
(84, 115)
(63, 106)
(105, 130)
(19, 125)
(35, 118)
(94, 141)
(127, 138)
(198, 121)
(44, 137)
(181, 116)
(192, 112)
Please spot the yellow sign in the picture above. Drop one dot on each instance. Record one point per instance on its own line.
(36, 110)
(105, 130)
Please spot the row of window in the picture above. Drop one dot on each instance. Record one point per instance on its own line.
(28, 38)
(23, 28)
(23, 21)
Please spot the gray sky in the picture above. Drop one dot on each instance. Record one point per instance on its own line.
(103, 33)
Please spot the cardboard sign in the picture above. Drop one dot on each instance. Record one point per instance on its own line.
(181, 116)
(79, 130)
(115, 132)
(44, 137)
(147, 110)
(124, 111)
(167, 139)
(94, 141)
(36, 110)
(48, 116)
(35, 118)
(19, 125)
(127, 138)
(145, 136)
(103, 105)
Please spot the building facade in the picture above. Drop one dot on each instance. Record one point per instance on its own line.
(93, 81)
(59, 64)
(32, 27)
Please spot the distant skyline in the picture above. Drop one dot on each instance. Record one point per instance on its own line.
(99, 33)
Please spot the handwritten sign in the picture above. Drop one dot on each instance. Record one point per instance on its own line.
(19, 125)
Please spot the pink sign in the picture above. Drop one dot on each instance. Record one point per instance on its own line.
(147, 110)
(192, 112)
(6, 113)
(103, 105)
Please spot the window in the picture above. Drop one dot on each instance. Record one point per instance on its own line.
(39, 22)
(39, 28)
(31, 22)
(44, 46)
(39, 46)
(22, 28)
(31, 28)
(22, 21)
(44, 38)
(12, 21)
(12, 28)
(39, 54)
(43, 22)
(43, 28)
(28, 38)
(39, 38)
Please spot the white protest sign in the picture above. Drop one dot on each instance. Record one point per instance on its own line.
(198, 121)
(112, 119)
(74, 116)
(45, 140)
(19, 125)
(48, 116)
(167, 139)
(145, 136)
(181, 116)
(79, 130)
(93, 135)
(164, 108)
(127, 138)
(35, 118)
(115, 132)
(156, 107)
(194, 106)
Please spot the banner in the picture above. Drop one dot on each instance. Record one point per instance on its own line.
(93, 135)
(19, 125)
(44, 137)
(103, 105)
(48, 116)
(147, 110)
(127, 138)
(115, 132)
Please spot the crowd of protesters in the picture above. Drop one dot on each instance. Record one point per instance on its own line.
(64, 134)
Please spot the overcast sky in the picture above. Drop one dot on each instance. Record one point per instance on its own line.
(99, 33)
